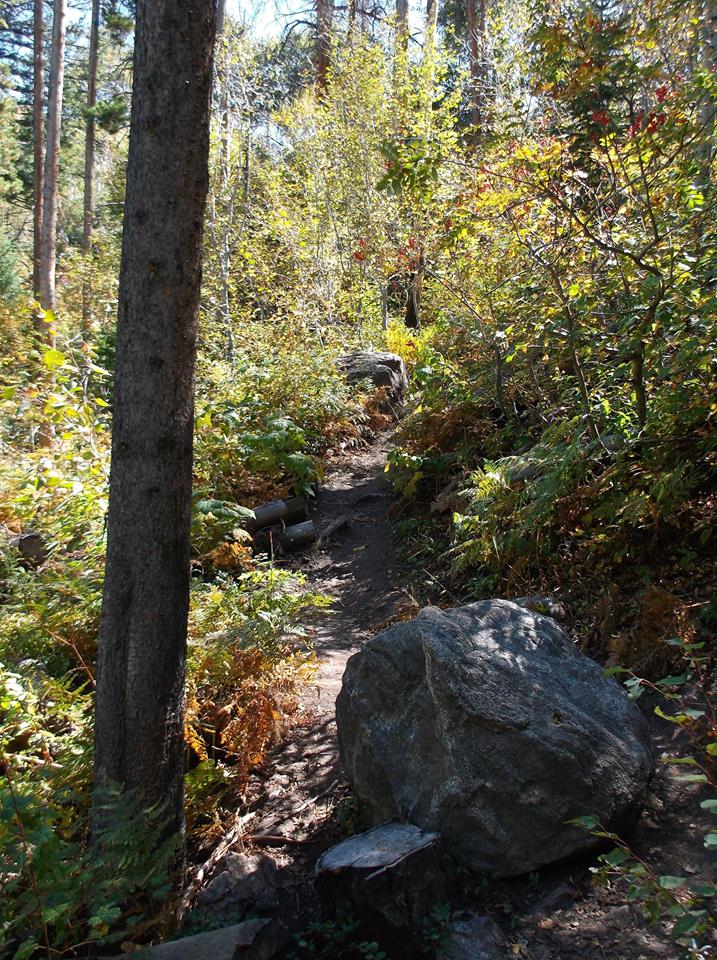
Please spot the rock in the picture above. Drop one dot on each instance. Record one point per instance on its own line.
(390, 878)
(486, 724)
(473, 938)
(545, 604)
(382, 369)
(245, 884)
(251, 940)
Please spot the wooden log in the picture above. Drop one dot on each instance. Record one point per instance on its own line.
(31, 546)
(336, 526)
(268, 514)
(297, 510)
(297, 536)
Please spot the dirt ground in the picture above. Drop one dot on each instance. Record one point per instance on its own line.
(299, 802)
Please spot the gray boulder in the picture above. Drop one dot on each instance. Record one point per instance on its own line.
(486, 724)
(382, 369)
(246, 884)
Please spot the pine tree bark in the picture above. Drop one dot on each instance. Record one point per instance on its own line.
(142, 645)
(91, 128)
(38, 125)
(48, 248)
(322, 56)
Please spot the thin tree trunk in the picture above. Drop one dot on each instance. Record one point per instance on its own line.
(38, 143)
(90, 138)
(90, 128)
(708, 57)
(48, 299)
(322, 57)
(415, 289)
(476, 15)
(142, 644)
(222, 75)
(402, 25)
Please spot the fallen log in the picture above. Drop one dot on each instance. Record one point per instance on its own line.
(297, 536)
(297, 510)
(336, 526)
(268, 514)
(290, 511)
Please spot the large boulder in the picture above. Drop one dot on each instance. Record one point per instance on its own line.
(486, 724)
(382, 369)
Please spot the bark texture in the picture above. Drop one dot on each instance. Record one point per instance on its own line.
(322, 57)
(90, 128)
(142, 646)
(38, 124)
(48, 247)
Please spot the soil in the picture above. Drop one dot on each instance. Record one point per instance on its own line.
(300, 802)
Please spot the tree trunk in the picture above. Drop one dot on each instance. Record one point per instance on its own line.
(90, 127)
(48, 249)
(415, 289)
(400, 66)
(402, 25)
(38, 143)
(431, 28)
(708, 57)
(142, 644)
(322, 57)
(476, 14)
(222, 77)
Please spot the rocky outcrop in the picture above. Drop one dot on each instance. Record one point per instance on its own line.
(382, 369)
(486, 724)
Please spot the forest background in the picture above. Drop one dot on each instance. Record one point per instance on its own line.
(518, 197)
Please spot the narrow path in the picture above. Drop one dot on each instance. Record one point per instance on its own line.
(297, 793)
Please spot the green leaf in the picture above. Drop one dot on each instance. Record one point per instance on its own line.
(668, 882)
(685, 925)
(704, 890)
(589, 822)
(693, 778)
(615, 857)
(710, 805)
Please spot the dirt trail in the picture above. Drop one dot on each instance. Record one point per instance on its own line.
(296, 791)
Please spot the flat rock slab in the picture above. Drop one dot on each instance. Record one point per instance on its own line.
(250, 940)
(390, 878)
(486, 724)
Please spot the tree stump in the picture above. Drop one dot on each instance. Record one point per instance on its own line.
(390, 878)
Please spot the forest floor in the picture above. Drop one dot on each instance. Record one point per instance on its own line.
(300, 803)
